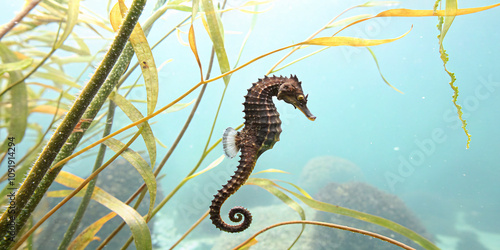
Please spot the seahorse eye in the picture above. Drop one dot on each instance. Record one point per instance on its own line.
(300, 97)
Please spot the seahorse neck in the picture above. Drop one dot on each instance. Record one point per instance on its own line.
(265, 88)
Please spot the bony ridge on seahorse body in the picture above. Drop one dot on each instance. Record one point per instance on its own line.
(261, 131)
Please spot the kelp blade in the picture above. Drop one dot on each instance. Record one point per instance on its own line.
(134, 220)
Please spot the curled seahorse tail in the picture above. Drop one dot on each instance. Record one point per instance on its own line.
(236, 214)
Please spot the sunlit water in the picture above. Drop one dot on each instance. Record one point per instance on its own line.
(410, 145)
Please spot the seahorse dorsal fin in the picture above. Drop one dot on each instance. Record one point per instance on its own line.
(229, 142)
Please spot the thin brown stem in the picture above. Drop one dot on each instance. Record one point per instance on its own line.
(190, 229)
(17, 19)
(82, 185)
(324, 224)
(170, 151)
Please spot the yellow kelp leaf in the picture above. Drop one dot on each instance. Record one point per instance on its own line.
(134, 220)
(47, 109)
(271, 170)
(134, 115)
(192, 45)
(216, 31)
(210, 166)
(301, 190)
(349, 41)
(143, 53)
(88, 235)
(420, 13)
(348, 20)
(71, 20)
(140, 165)
(115, 17)
(270, 186)
(380, 71)
(249, 244)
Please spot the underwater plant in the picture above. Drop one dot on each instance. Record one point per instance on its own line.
(36, 52)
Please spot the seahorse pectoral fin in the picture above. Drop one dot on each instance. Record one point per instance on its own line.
(229, 142)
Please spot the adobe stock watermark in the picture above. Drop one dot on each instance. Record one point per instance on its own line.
(426, 147)
(203, 193)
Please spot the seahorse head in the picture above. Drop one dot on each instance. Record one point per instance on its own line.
(291, 92)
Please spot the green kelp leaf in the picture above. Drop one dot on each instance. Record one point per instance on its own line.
(84, 49)
(255, 3)
(443, 26)
(252, 25)
(140, 164)
(134, 115)
(301, 190)
(349, 41)
(134, 220)
(88, 235)
(299, 59)
(348, 20)
(195, 7)
(143, 53)
(216, 32)
(269, 186)
(450, 13)
(326, 207)
(379, 3)
(210, 166)
(18, 99)
(57, 78)
(66, 96)
(47, 37)
(178, 106)
(271, 170)
(380, 71)
(13, 66)
(72, 59)
(72, 19)
(160, 143)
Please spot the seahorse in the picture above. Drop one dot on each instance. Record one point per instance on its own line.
(261, 131)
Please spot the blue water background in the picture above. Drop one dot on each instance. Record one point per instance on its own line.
(410, 144)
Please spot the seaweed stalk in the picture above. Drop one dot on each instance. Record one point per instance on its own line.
(90, 188)
(64, 130)
(324, 224)
(443, 26)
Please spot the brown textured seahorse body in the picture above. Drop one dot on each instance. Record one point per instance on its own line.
(261, 131)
